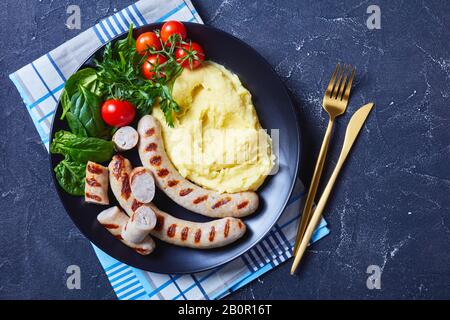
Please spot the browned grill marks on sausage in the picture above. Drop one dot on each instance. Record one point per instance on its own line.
(110, 226)
(226, 229)
(198, 235)
(155, 161)
(162, 173)
(200, 199)
(93, 196)
(184, 233)
(185, 192)
(151, 147)
(118, 166)
(141, 250)
(92, 168)
(171, 230)
(221, 202)
(118, 236)
(93, 182)
(243, 204)
(150, 132)
(172, 183)
(159, 222)
(212, 234)
(240, 224)
(135, 205)
(126, 189)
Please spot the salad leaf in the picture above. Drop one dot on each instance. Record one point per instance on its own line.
(71, 176)
(167, 104)
(85, 77)
(81, 149)
(84, 116)
(124, 45)
(75, 125)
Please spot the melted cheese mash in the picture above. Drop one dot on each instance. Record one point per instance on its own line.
(217, 141)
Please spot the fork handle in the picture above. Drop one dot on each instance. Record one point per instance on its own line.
(318, 212)
(307, 209)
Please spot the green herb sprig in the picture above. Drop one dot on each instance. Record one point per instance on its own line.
(120, 77)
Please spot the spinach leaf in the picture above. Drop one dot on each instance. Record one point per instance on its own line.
(84, 116)
(71, 176)
(75, 125)
(65, 102)
(86, 77)
(77, 150)
(81, 149)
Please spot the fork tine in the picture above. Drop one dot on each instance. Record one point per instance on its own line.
(349, 85)
(341, 89)
(331, 83)
(338, 83)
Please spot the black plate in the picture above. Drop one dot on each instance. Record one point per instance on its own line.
(275, 111)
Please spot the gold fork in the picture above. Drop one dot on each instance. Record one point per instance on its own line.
(335, 103)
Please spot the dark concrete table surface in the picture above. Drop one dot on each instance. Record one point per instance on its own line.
(390, 206)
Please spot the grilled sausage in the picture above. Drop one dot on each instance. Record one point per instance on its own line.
(142, 184)
(125, 138)
(141, 222)
(114, 219)
(213, 234)
(185, 193)
(96, 184)
(179, 232)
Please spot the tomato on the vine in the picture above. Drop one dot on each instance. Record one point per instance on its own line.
(190, 55)
(172, 27)
(118, 113)
(152, 66)
(147, 40)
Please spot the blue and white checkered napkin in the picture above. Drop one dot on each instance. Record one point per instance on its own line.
(40, 84)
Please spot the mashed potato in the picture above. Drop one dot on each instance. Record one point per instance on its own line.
(217, 141)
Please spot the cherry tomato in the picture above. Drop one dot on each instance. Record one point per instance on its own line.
(190, 55)
(146, 40)
(152, 66)
(172, 27)
(118, 113)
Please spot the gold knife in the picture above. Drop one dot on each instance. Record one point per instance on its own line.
(353, 128)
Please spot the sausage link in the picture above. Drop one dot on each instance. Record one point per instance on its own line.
(114, 220)
(96, 184)
(185, 193)
(141, 222)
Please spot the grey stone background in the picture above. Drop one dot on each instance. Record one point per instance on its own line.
(390, 206)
